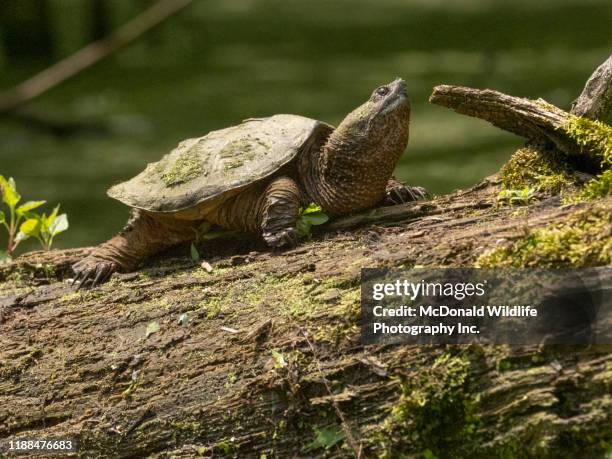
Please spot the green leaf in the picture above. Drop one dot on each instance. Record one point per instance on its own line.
(303, 227)
(213, 235)
(309, 217)
(325, 438)
(51, 218)
(2, 218)
(59, 225)
(204, 228)
(9, 192)
(21, 236)
(30, 205)
(279, 360)
(195, 255)
(4, 257)
(311, 209)
(152, 327)
(312, 215)
(316, 219)
(31, 227)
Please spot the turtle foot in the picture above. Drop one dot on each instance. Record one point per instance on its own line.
(400, 194)
(93, 271)
(284, 238)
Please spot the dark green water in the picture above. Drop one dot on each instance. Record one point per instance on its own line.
(223, 61)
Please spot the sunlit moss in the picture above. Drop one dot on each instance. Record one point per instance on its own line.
(187, 167)
(599, 187)
(593, 137)
(434, 411)
(541, 169)
(584, 240)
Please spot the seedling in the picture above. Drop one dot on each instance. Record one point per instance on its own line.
(22, 223)
(311, 216)
(325, 437)
(516, 197)
(279, 360)
(44, 228)
(195, 255)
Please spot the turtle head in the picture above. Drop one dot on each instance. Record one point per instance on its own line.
(359, 157)
(381, 122)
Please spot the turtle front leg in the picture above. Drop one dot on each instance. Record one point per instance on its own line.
(399, 193)
(279, 212)
(143, 236)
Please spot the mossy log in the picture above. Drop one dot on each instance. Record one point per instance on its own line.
(536, 120)
(207, 377)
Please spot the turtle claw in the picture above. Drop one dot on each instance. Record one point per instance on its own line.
(91, 272)
(284, 238)
(401, 194)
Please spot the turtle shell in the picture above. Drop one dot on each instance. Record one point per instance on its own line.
(202, 169)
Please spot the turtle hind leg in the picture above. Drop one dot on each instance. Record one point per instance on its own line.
(143, 236)
(279, 211)
(399, 193)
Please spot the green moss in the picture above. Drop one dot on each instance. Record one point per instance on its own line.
(548, 106)
(599, 187)
(434, 412)
(187, 166)
(541, 169)
(292, 294)
(238, 152)
(593, 137)
(75, 297)
(584, 240)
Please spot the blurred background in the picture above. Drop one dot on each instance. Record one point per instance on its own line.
(220, 61)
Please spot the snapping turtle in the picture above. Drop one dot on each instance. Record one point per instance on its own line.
(254, 177)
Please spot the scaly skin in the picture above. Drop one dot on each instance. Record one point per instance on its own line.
(352, 172)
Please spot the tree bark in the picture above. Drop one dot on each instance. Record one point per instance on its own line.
(595, 102)
(537, 121)
(83, 365)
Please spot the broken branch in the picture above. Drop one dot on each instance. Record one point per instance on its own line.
(89, 55)
(595, 102)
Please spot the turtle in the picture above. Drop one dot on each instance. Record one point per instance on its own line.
(256, 176)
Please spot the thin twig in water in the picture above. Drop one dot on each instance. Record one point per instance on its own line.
(90, 54)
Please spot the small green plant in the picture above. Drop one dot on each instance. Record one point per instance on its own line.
(279, 360)
(311, 216)
(22, 223)
(599, 187)
(195, 255)
(44, 228)
(325, 437)
(520, 197)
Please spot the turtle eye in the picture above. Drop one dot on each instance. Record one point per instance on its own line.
(382, 91)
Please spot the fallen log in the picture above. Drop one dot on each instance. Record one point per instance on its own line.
(87, 365)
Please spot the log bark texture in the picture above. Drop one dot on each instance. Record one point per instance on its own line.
(595, 102)
(537, 120)
(89, 365)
